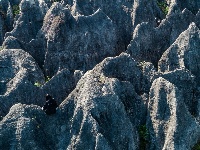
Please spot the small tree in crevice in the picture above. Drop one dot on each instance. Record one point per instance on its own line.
(16, 10)
(143, 136)
(163, 6)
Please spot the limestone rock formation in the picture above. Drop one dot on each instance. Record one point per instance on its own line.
(112, 92)
(183, 53)
(197, 21)
(146, 11)
(2, 32)
(9, 10)
(7, 13)
(23, 128)
(6, 19)
(30, 20)
(149, 74)
(23, 81)
(36, 47)
(171, 126)
(149, 41)
(60, 85)
(119, 11)
(76, 43)
(191, 5)
(11, 43)
(186, 82)
(18, 74)
(101, 102)
(28, 16)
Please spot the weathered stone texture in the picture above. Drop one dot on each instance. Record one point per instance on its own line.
(19, 73)
(169, 121)
(76, 43)
(113, 93)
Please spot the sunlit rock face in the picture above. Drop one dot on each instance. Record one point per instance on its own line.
(77, 43)
(124, 73)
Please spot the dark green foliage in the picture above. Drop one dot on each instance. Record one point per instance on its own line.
(144, 136)
(196, 146)
(163, 6)
(47, 78)
(16, 10)
(37, 84)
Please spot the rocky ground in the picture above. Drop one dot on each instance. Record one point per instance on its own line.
(125, 73)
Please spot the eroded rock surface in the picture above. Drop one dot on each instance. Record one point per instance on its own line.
(19, 72)
(149, 41)
(76, 43)
(23, 128)
(29, 21)
(146, 98)
(12, 43)
(183, 53)
(99, 103)
(170, 123)
(122, 9)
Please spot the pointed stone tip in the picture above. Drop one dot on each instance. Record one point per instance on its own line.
(173, 9)
(198, 13)
(188, 12)
(99, 12)
(193, 27)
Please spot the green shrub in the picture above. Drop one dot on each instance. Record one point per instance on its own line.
(16, 10)
(163, 6)
(144, 136)
(47, 78)
(196, 146)
(38, 84)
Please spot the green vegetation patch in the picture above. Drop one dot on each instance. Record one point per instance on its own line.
(163, 6)
(47, 78)
(196, 146)
(16, 10)
(38, 84)
(144, 137)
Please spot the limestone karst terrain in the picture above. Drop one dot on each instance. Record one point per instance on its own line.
(125, 73)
